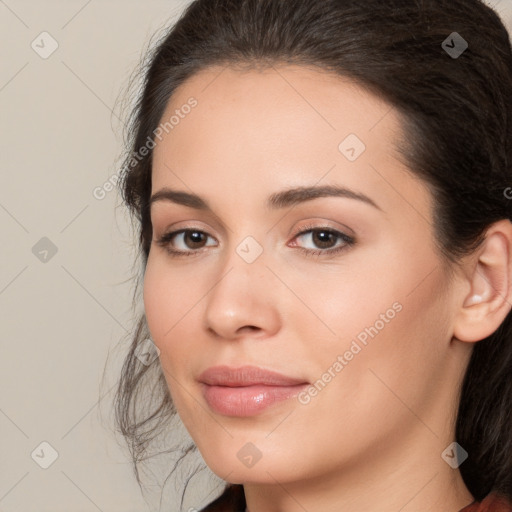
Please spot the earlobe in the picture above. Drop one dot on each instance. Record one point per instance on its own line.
(489, 299)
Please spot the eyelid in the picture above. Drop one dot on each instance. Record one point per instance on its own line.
(327, 224)
(209, 224)
(321, 223)
(294, 233)
(179, 227)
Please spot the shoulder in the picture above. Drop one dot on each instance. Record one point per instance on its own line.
(491, 503)
(231, 500)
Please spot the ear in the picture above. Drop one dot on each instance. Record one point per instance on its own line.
(489, 272)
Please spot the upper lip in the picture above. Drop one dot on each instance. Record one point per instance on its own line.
(246, 376)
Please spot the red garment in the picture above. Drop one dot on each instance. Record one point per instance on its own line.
(491, 503)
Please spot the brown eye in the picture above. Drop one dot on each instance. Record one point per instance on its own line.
(196, 239)
(323, 238)
(183, 242)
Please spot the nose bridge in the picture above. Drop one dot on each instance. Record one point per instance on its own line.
(246, 254)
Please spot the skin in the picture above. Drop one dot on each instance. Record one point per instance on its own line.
(372, 438)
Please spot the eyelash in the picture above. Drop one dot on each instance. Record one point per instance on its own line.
(164, 241)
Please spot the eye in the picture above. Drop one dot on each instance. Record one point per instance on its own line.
(326, 239)
(189, 238)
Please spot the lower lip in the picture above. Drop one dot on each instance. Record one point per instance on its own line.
(247, 400)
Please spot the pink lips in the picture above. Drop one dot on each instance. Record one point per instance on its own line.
(247, 390)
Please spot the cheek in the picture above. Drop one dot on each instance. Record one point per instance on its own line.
(166, 315)
(165, 302)
(383, 366)
(401, 341)
(154, 301)
(391, 319)
(172, 303)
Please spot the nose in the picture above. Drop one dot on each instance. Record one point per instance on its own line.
(244, 301)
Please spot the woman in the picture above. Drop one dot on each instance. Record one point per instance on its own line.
(322, 196)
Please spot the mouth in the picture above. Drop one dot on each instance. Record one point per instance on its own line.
(246, 391)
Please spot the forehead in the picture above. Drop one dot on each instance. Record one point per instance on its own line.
(286, 107)
(279, 126)
(313, 99)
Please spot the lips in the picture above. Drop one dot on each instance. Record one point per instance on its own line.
(246, 376)
(247, 390)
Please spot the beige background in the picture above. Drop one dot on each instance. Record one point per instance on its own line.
(60, 139)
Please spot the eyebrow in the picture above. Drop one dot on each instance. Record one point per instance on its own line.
(283, 199)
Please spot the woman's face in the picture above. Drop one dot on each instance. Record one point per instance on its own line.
(366, 322)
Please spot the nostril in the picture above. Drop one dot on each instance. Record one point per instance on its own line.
(249, 327)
